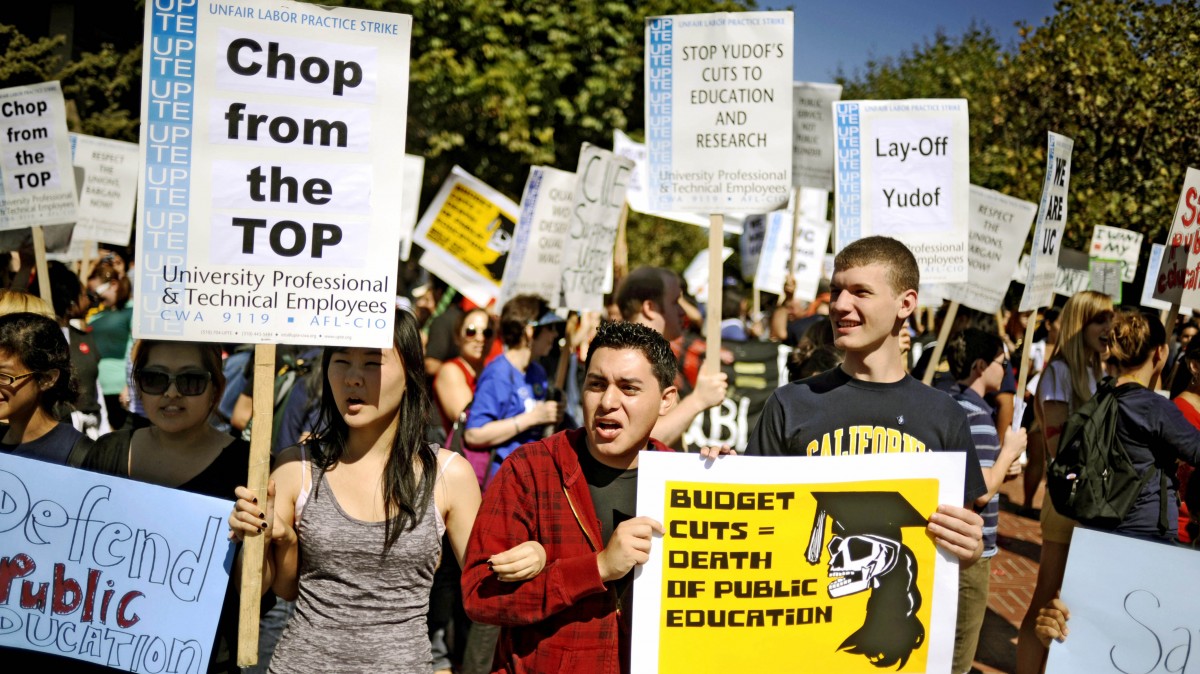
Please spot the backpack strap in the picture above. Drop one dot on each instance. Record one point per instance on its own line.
(79, 451)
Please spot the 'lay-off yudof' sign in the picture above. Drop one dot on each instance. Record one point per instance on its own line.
(812, 144)
(535, 263)
(37, 182)
(109, 173)
(1051, 223)
(89, 570)
(274, 141)
(999, 224)
(719, 111)
(587, 260)
(1179, 268)
(902, 171)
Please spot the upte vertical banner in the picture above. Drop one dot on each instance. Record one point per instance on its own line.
(37, 182)
(719, 111)
(274, 144)
(903, 172)
(1051, 223)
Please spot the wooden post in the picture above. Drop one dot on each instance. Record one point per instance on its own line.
(85, 263)
(39, 258)
(256, 481)
(791, 268)
(943, 335)
(712, 323)
(1023, 377)
(621, 250)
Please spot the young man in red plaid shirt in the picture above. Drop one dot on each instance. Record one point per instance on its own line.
(569, 502)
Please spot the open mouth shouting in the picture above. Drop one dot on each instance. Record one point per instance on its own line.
(607, 430)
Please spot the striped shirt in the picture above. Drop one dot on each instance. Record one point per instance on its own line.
(987, 447)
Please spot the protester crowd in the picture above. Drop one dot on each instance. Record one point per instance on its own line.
(465, 501)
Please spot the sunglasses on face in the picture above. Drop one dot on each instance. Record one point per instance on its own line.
(156, 382)
(472, 331)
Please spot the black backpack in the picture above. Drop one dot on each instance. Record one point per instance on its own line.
(1092, 480)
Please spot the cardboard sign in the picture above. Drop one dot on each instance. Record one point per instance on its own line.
(750, 243)
(812, 140)
(1040, 284)
(902, 171)
(1105, 276)
(812, 240)
(600, 181)
(37, 183)
(414, 173)
(107, 177)
(1152, 276)
(1072, 275)
(1177, 270)
(273, 140)
(719, 111)
(467, 234)
(92, 571)
(756, 370)
(535, 263)
(998, 227)
(767, 558)
(1129, 613)
(637, 191)
(1112, 243)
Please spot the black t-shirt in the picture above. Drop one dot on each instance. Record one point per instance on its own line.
(53, 447)
(614, 496)
(833, 413)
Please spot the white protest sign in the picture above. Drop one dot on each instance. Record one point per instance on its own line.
(1051, 223)
(92, 571)
(1072, 274)
(1105, 276)
(812, 240)
(812, 142)
(754, 232)
(902, 171)
(1153, 277)
(756, 565)
(535, 263)
(467, 234)
(108, 170)
(1176, 270)
(695, 276)
(1129, 613)
(587, 258)
(637, 192)
(719, 111)
(1112, 243)
(410, 201)
(79, 249)
(273, 140)
(998, 227)
(1021, 273)
(37, 182)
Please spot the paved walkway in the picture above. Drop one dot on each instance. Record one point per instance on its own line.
(1014, 573)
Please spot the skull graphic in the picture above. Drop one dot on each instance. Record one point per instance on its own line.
(856, 561)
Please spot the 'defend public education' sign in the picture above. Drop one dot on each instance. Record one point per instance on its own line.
(273, 140)
(902, 171)
(719, 111)
(108, 570)
(774, 560)
(37, 183)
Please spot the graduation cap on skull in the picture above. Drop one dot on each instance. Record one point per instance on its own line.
(866, 539)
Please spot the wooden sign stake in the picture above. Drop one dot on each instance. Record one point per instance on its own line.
(712, 323)
(256, 481)
(43, 269)
(943, 335)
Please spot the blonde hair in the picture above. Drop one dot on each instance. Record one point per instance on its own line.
(15, 302)
(1080, 310)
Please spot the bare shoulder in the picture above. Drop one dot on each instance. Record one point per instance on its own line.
(453, 467)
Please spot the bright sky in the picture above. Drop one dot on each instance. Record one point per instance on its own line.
(832, 33)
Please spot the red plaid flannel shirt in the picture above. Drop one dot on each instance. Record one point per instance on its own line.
(564, 620)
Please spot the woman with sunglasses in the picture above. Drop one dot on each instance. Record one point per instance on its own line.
(454, 385)
(37, 385)
(355, 516)
(180, 384)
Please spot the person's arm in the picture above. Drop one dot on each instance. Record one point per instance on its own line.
(708, 392)
(502, 430)
(780, 315)
(451, 392)
(507, 517)
(959, 531)
(458, 498)
(1054, 417)
(994, 475)
(1052, 622)
(243, 409)
(1004, 413)
(274, 519)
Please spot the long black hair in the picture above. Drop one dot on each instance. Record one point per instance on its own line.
(406, 494)
(39, 343)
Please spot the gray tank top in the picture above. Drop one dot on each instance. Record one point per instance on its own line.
(355, 611)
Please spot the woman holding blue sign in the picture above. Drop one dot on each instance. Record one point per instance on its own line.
(355, 516)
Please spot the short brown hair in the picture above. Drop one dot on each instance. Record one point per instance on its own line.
(903, 273)
(519, 312)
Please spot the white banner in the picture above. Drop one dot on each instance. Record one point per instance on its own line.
(1071, 275)
(1152, 277)
(108, 173)
(108, 570)
(467, 233)
(695, 276)
(273, 140)
(1112, 243)
(812, 140)
(587, 260)
(414, 174)
(535, 264)
(719, 111)
(902, 171)
(37, 181)
(1040, 284)
(812, 240)
(999, 224)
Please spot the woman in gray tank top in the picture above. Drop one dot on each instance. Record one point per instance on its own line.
(355, 516)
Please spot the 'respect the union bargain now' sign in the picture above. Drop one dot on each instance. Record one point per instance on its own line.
(274, 151)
